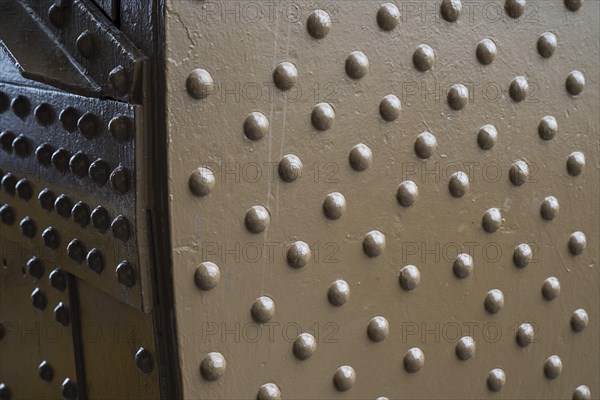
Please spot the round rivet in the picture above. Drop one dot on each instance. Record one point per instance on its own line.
(575, 83)
(298, 254)
(304, 346)
(494, 301)
(100, 218)
(360, 157)
(334, 205)
(44, 113)
(318, 24)
(46, 199)
(549, 208)
(99, 172)
(514, 8)
(374, 243)
(573, 5)
(357, 65)
(492, 220)
(344, 378)
(207, 275)
(496, 380)
(85, 44)
(451, 9)
(378, 329)
(199, 83)
(6, 139)
(9, 183)
(35, 267)
(95, 261)
(575, 163)
(58, 280)
(548, 127)
(522, 255)
(546, 44)
(409, 277)
(118, 80)
(290, 168)
(120, 128)
(407, 193)
(119, 180)
(423, 57)
(63, 206)
(577, 243)
(388, 16)
(322, 116)
(487, 137)
(256, 125)
(213, 366)
(76, 251)
(201, 182)
(425, 145)
(414, 359)
(22, 146)
(79, 164)
(24, 189)
(269, 391)
(28, 227)
(120, 228)
(68, 389)
(553, 367)
(56, 16)
(338, 293)
(285, 75)
(579, 320)
(44, 154)
(20, 106)
(465, 348)
(257, 219)
(390, 107)
(51, 238)
(458, 184)
(519, 88)
(551, 288)
(458, 96)
(61, 314)
(486, 51)
(60, 160)
(144, 360)
(45, 371)
(126, 274)
(525, 335)
(582, 392)
(463, 265)
(68, 119)
(263, 309)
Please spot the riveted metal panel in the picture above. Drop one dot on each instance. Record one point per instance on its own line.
(507, 94)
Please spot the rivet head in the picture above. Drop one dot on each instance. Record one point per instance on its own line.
(6, 140)
(76, 251)
(522, 255)
(100, 218)
(263, 309)
(390, 107)
(24, 189)
(201, 182)
(298, 254)
(451, 9)
(56, 16)
(45, 371)
(304, 346)
(551, 288)
(118, 80)
(548, 127)
(68, 389)
(213, 366)
(575, 83)
(519, 89)
(388, 16)
(199, 83)
(5, 393)
(9, 182)
(21, 106)
(269, 391)
(486, 51)
(425, 145)
(62, 315)
(573, 5)
(374, 243)
(95, 261)
(514, 8)
(99, 172)
(549, 208)
(414, 359)
(144, 360)
(360, 157)
(44, 113)
(285, 75)
(119, 180)
(579, 320)
(494, 301)
(58, 280)
(407, 193)
(577, 243)
(88, 125)
(338, 293)
(85, 44)
(51, 238)
(256, 126)
(458, 96)
(68, 119)
(582, 392)
(35, 267)
(575, 163)
(28, 227)
(46, 199)
(290, 168)
(126, 274)
(492, 220)
(487, 137)
(378, 329)
(322, 116)
(344, 378)
(39, 299)
(546, 44)
(409, 277)
(22, 146)
(334, 205)
(496, 380)
(44, 154)
(120, 128)
(553, 367)
(458, 184)
(465, 348)
(463, 265)
(207, 275)
(318, 24)
(63, 206)
(257, 219)
(357, 65)
(7, 214)
(120, 228)
(78, 164)
(423, 57)
(525, 335)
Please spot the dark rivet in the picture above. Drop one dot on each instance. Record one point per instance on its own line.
(88, 125)
(118, 80)
(68, 118)
(61, 313)
(44, 114)
(120, 128)
(85, 44)
(20, 106)
(1, 331)
(5, 393)
(63, 206)
(28, 227)
(7, 215)
(35, 267)
(46, 199)
(144, 360)
(51, 238)
(95, 261)
(120, 180)
(56, 16)
(60, 159)
(4, 102)
(46, 371)
(99, 172)
(24, 189)
(22, 146)
(79, 164)
(58, 279)
(100, 218)
(81, 214)
(6, 139)
(120, 228)
(68, 389)
(76, 251)
(38, 298)
(44, 154)
(9, 183)
(126, 274)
